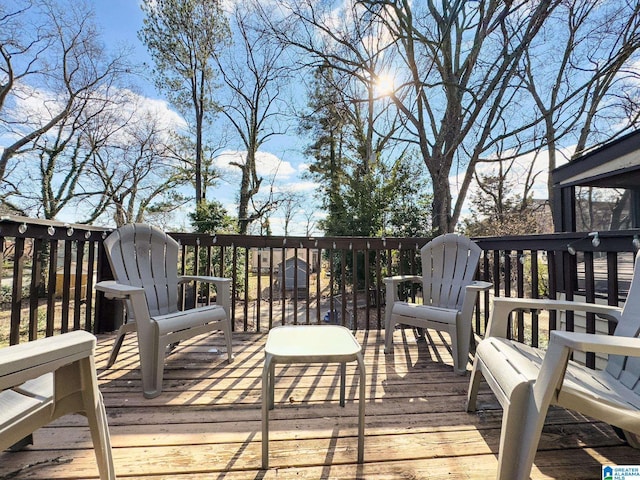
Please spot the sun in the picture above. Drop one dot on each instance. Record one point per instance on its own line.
(385, 84)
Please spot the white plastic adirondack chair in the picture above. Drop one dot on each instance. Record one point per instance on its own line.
(45, 379)
(527, 380)
(449, 294)
(144, 261)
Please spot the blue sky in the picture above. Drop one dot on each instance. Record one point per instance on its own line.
(120, 21)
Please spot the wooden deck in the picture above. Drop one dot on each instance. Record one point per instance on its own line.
(206, 424)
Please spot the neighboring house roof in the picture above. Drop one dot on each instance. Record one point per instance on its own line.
(615, 164)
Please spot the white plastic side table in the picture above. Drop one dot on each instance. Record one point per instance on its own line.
(310, 344)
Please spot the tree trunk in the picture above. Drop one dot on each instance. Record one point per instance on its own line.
(441, 212)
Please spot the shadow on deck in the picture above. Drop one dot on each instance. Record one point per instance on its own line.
(206, 423)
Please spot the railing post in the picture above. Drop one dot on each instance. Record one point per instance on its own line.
(109, 314)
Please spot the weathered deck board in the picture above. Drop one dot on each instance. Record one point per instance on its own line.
(206, 424)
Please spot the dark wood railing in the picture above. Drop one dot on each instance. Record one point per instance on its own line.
(580, 266)
(49, 270)
(335, 279)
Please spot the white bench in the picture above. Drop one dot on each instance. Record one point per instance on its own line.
(45, 379)
(526, 380)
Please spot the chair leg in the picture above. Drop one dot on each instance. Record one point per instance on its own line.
(389, 324)
(22, 443)
(522, 422)
(267, 393)
(388, 337)
(152, 352)
(115, 350)
(343, 377)
(455, 348)
(461, 350)
(227, 335)
(122, 331)
(474, 386)
(632, 439)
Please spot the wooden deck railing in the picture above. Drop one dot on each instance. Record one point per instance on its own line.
(48, 271)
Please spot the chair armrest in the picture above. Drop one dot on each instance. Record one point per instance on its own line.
(223, 288)
(597, 343)
(391, 284)
(398, 279)
(479, 285)
(137, 301)
(219, 282)
(113, 289)
(25, 361)
(502, 307)
(470, 296)
(203, 278)
(561, 344)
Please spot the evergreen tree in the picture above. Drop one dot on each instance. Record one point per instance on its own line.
(183, 37)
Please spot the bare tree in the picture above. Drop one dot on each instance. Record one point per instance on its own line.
(310, 221)
(454, 63)
(579, 87)
(57, 61)
(183, 37)
(498, 207)
(460, 59)
(63, 154)
(254, 75)
(459, 83)
(21, 48)
(137, 173)
(350, 122)
(290, 205)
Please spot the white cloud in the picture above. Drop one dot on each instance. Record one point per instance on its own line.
(267, 164)
(35, 107)
(32, 106)
(168, 119)
(517, 174)
(299, 187)
(303, 167)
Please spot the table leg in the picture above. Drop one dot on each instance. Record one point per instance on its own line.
(361, 405)
(343, 377)
(272, 372)
(267, 392)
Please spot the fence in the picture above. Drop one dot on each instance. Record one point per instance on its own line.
(49, 270)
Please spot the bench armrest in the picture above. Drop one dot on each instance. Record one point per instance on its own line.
(26, 361)
(589, 342)
(502, 307)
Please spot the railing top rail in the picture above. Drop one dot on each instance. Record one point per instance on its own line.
(53, 223)
(23, 227)
(257, 241)
(612, 241)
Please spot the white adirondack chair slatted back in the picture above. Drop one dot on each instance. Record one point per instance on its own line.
(449, 264)
(144, 256)
(628, 370)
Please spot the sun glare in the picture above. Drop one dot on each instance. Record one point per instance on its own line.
(385, 84)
